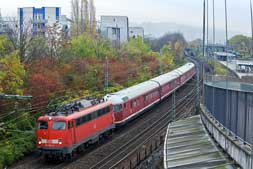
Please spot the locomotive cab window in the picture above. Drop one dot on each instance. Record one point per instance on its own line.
(43, 125)
(117, 108)
(58, 125)
(70, 124)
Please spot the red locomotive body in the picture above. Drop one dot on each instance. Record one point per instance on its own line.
(63, 132)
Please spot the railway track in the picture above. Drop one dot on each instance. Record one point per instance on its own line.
(95, 154)
(160, 125)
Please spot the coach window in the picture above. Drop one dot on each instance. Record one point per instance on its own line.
(134, 103)
(117, 108)
(94, 115)
(43, 125)
(58, 125)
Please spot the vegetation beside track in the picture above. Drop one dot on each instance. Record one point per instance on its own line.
(74, 68)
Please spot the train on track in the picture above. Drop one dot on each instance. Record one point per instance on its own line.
(84, 122)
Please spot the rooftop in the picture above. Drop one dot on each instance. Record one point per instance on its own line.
(244, 62)
(189, 146)
(225, 54)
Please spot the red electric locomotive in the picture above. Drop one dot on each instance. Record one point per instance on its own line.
(84, 122)
(61, 133)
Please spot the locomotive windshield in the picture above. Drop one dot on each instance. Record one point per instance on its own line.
(117, 108)
(59, 125)
(42, 125)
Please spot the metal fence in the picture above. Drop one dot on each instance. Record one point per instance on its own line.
(229, 78)
(237, 115)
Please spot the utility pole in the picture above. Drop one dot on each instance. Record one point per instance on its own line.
(214, 33)
(226, 46)
(204, 26)
(160, 63)
(204, 38)
(251, 15)
(174, 105)
(106, 74)
(207, 23)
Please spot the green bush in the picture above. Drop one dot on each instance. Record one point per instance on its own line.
(16, 147)
(218, 68)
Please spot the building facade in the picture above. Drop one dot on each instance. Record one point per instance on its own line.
(38, 19)
(136, 32)
(7, 25)
(224, 56)
(115, 29)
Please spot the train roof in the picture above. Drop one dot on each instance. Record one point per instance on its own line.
(181, 70)
(76, 109)
(131, 92)
(142, 88)
(89, 110)
(165, 78)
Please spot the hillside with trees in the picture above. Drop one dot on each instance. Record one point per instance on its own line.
(60, 71)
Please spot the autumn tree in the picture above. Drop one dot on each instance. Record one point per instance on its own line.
(157, 44)
(5, 46)
(37, 49)
(12, 74)
(20, 38)
(87, 46)
(196, 46)
(55, 40)
(93, 22)
(241, 44)
(135, 48)
(83, 16)
(178, 48)
(167, 57)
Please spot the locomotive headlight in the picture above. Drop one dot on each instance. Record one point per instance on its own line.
(39, 142)
(60, 142)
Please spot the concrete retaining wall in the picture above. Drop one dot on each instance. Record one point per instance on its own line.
(237, 149)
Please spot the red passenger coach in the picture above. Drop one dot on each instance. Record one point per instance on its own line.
(186, 72)
(131, 102)
(75, 125)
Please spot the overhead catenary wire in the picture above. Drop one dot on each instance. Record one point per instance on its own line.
(65, 90)
(19, 119)
(191, 94)
(167, 115)
(34, 109)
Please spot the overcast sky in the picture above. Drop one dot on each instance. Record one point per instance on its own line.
(188, 12)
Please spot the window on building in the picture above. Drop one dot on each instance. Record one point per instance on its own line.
(114, 31)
